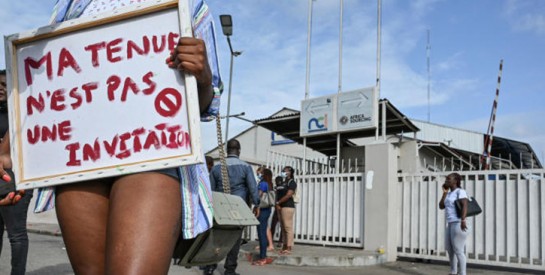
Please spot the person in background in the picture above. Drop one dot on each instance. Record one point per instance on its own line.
(278, 181)
(242, 183)
(456, 232)
(209, 163)
(129, 224)
(259, 178)
(264, 213)
(13, 217)
(286, 206)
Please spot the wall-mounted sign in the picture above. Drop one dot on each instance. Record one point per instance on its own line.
(342, 112)
(318, 115)
(357, 110)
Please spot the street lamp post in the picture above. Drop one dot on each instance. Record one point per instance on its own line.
(227, 27)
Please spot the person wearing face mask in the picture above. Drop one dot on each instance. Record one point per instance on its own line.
(286, 206)
(279, 181)
(260, 178)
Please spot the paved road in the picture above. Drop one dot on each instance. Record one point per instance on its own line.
(47, 256)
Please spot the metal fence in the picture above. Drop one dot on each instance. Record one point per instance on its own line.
(509, 232)
(331, 210)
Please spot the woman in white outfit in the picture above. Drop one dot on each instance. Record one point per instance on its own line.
(456, 232)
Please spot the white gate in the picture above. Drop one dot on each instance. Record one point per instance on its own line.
(331, 210)
(331, 207)
(510, 231)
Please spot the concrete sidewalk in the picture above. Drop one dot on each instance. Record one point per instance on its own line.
(316, 260)
(312, 255)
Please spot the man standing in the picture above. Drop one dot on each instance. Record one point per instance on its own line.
(13, 217)
(209, 163)
(242, 182)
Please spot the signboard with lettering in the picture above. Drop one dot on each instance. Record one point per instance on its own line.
(317, 115)
(357, 110)
(343, 112)
(93, 97)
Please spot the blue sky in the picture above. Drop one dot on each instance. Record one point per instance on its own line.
(468, 40)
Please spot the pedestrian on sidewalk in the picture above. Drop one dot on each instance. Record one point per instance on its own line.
(264, 213)
(457, 227)
(259, 178)
(286, 206)
(13, 217)
(129, 224)
(242, 183)
(276, 220)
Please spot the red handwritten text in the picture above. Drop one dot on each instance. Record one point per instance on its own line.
(123, 145)
(116, 50)
(65, 60)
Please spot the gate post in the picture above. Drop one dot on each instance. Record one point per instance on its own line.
(380, 200)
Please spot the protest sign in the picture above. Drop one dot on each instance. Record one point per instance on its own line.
(93, 97)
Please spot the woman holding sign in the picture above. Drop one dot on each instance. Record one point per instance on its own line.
(129, 224)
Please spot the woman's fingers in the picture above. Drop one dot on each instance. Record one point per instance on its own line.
(6, 177)
(8, 199)
(189, 56)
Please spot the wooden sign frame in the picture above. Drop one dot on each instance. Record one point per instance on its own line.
(18, 131)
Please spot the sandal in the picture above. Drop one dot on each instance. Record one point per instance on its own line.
(285, 252)
(260, 262)
(269, 260)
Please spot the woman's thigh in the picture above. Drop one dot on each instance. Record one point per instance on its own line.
(143, 225)
(82, 211)
(287, 216)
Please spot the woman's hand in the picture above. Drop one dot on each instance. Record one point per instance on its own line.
(256, 211)
(463, 225)
(5, 163)
(190, 56)
(445, 188)
(12, 197)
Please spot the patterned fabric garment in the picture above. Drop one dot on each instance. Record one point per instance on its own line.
(194, 179)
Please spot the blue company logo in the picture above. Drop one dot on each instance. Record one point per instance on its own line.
(317, 124)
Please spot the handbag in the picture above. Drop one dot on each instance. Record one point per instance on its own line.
(231, 215)
(296, 198)
(267, 199)
(473, 207)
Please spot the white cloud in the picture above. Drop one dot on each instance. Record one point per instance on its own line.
(19, 16)
(526, 16)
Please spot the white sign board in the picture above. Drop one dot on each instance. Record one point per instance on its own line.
(317, 115)
(357, 110)
(343, 112)
(93, 97)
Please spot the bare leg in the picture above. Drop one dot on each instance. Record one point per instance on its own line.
(143, 225)
(269, 239)
(82, 210)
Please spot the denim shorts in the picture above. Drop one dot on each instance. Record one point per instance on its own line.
(172, 172)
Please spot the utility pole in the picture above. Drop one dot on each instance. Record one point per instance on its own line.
(428, 50)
